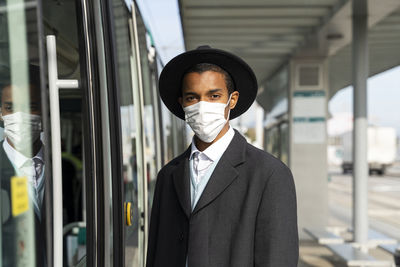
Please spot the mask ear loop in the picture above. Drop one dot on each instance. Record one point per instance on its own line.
(229, 110)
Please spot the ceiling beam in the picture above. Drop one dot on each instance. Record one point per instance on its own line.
(254, 23)
(254, 12)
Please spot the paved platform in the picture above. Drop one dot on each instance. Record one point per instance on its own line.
(315, 255)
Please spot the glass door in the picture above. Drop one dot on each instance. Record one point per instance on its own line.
(128, 87)
(65, 63)
(51, 171)
(22, 158)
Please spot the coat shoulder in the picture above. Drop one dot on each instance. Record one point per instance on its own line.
(275, 176)
(265, 161)
(256, 155)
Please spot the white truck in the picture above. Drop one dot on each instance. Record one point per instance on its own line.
(381, 149)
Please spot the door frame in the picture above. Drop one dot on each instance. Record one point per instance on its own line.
(108, 26)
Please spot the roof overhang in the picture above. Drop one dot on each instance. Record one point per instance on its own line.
(268, 33)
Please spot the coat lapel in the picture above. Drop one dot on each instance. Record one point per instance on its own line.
(181, 177)
(225, 172)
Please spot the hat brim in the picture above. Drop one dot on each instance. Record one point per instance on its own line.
(170, 82)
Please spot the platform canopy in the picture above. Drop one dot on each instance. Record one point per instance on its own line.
(267, 33)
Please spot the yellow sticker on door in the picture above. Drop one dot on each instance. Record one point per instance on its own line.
(19, 195)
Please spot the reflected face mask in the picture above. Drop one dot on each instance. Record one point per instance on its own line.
(206, 119)
(22, 129)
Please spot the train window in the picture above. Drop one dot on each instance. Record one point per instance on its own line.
(167, 134)
(150, 110)
(27, 155)
(24, 169)
(131, 140)
(284, 142)
(272, 141)
(69, 66)
(22, 161)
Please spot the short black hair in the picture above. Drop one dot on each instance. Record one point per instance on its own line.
(5, 77)
(203, 67)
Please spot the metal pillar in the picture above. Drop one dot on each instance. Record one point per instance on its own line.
(360, 139)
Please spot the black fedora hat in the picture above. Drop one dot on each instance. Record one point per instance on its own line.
(170, 83)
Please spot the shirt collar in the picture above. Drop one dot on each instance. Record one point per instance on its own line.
(215, 151)
(17, 158)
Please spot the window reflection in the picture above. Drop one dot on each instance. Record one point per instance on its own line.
(22, 167)
(22, 162)
(70, 66)
(128, 127)
(149, 110)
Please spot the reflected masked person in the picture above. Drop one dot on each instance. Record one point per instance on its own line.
(22, 155)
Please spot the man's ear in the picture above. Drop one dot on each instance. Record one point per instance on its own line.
(234, 99)
(180, 100)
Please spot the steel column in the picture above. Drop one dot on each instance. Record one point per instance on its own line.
(360, 138)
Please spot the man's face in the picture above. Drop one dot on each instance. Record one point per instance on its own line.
(7, 101)
(208, 86)
(17, 128)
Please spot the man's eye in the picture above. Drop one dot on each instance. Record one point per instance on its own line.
(215, 96)
(189, 98)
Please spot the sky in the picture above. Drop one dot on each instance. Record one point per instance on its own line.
(383, 99)
(163, 20)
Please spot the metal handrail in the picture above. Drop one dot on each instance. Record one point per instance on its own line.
(54, 85)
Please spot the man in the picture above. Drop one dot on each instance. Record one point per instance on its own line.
(22, 155)
(223, 202)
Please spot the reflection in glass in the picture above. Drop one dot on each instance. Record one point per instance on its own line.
(128, 127)
(69, 64)
(22, 163)
(284, 143)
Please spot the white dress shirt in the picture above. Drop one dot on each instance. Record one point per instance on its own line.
(203, 161)
(32, 168)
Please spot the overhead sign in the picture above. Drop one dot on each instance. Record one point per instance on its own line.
(309, 111)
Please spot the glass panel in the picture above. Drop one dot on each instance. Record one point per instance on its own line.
(284, 136)
(70, 66)
(272, 141)
(22, 161)
(167, 139)
(149, 110)
(128, 127)
(276, 141)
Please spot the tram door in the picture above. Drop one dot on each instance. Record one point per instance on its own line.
(130, 82)
(51, 164)
(76, 154)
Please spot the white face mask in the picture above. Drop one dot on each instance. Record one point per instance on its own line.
(206, 119)
(22, 129)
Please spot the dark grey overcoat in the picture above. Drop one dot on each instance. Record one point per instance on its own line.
(245, 217)
(9, 228)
